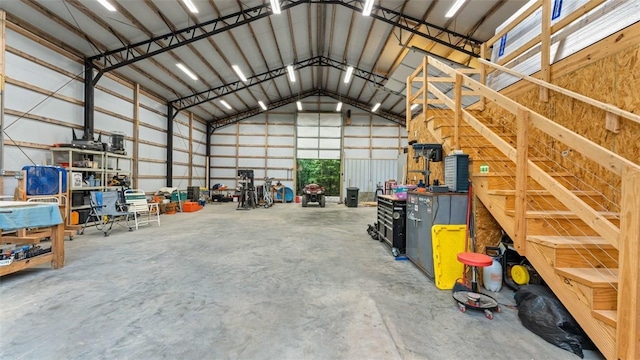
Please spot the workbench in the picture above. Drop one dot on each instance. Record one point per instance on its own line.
(17, 217)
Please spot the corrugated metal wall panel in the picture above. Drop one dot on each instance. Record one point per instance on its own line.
(366, 173)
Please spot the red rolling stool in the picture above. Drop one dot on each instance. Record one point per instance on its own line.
(473, 299)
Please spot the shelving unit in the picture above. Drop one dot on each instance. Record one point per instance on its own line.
(82, 164)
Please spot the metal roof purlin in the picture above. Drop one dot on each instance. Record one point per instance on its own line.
(226, 89)
(222, 122)
(113, 59)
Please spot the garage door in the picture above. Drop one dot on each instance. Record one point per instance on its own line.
(318, 135)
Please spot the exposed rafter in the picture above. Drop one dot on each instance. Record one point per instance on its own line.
(126, 55)
(222, 122)
(226, 89)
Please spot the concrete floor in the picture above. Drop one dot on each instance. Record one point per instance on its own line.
(279, 283)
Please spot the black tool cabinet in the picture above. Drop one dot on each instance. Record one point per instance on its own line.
(391, 222)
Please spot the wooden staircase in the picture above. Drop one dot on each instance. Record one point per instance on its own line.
(574, 245)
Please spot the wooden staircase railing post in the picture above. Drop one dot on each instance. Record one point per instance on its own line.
(425, 68)
(408, 109)
(628, 321)
(545, 49)
(522, 173)
(458, 111)
(483, 73)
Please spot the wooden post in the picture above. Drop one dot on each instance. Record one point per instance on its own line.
(136, 133)
(238, 153)
(483, 73)
(425, 92)
(190, 182)
(408, 110)
(522, 173)
(57, 245)
(3, 21)
(628, 322)
(458, 111)
(266, 143)
(545, 49)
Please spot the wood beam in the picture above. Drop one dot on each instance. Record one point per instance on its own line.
(522, 175)
(545, 49)
(3, 22)
(136, 134)
(457, 98)
(628, 322)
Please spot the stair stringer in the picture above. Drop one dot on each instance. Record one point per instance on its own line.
(601, 333)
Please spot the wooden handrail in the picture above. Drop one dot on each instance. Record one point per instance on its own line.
(595, 152)
(601, 155)
(515, 22)
(599, 104)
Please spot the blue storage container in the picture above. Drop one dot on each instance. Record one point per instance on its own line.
(44, 180)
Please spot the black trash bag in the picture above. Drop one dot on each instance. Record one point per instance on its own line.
(541, 312)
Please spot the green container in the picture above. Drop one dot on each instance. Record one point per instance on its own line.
(183, 196)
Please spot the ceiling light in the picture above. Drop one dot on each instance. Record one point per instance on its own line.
(375, 107)
(262, 105)
(187, 71)
(292, 75)
(226, 104)
(275, 6)
(414, 106)
(299, 105)
(339, 107)
(106, 4)
(190, 6)
(454, 9)
(347, 76)
(236, 68)
(368, 6)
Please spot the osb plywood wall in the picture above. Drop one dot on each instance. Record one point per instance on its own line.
(614, 79)
(418, 130)
(487, 229)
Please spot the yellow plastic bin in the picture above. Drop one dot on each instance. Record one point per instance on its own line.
(448, 241)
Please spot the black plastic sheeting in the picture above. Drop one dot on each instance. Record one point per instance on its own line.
(541, 312)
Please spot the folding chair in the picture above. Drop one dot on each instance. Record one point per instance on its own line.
(107, 209)
(143, 212)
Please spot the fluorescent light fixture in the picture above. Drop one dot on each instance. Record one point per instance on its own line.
(226, 104)
(262, 105)
(292, 75)
(375, 107)
(414, 106)
(275, 6)
(368, 6)
(347, 76)
(454, 9)
(190, 6)
(339, 107)
(106, 4)
(187, 71)
(299, 105)
(236, 68)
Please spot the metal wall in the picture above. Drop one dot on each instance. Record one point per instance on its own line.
(606, 19)
(365, 136)
(365, 174)
(44, 100)
(264, 143)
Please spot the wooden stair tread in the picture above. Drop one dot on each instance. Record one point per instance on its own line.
(570, 242)
(506, 159)
(541, 192)
(609, 317)
(591, 276)
(511, 175)
(552, 214)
